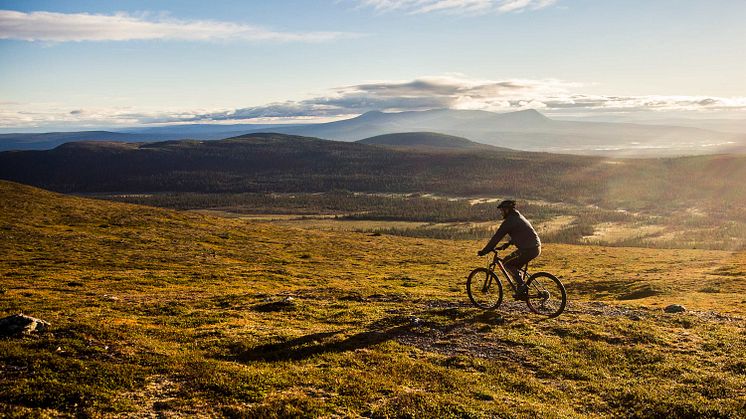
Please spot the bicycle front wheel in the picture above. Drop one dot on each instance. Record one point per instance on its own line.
(546, 295)
(484, 289)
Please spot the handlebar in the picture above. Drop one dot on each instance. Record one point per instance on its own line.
(496, 250)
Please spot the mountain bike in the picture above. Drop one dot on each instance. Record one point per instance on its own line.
(546, 295)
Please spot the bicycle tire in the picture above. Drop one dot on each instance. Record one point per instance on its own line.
(484, 289)
(546, 295)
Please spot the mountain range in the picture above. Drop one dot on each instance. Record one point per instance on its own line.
(527, 130)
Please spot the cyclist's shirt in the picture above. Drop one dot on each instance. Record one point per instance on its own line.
(521, 233)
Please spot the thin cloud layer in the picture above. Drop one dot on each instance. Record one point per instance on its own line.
(66, 27)
(453, 92)
(552, 97)
(475, 7)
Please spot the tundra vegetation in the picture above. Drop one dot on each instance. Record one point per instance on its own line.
(163, 312)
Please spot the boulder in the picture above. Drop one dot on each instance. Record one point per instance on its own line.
(675, 308)
(21, 324)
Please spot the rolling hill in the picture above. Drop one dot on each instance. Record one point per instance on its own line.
(49, 140)
(163, 313)
(282, 163)
(425, 140)
(45, 141)
(270, 163)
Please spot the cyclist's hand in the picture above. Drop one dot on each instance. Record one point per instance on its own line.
(481, 253)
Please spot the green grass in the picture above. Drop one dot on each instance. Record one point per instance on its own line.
(162, 312)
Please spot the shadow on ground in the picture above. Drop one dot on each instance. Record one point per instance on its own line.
(404, 329)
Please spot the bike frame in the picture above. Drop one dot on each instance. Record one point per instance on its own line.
(547, 295)
(498, 261)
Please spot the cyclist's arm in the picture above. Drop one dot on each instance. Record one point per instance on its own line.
(502, 231)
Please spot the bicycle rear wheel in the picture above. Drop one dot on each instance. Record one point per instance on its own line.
(546, 294)
(484, 289)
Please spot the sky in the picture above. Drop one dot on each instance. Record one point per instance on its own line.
(67, 65)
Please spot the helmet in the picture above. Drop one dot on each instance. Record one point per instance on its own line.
(508, 203)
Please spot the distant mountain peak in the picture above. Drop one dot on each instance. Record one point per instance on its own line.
(371, 115)
(528, 113)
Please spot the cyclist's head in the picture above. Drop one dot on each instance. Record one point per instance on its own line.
(506, 206)
(508, 203)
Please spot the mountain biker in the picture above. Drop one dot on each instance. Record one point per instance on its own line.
(522, 235)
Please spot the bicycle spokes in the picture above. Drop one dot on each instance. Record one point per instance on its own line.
(547, 295)
(484, 289)
(486, 284)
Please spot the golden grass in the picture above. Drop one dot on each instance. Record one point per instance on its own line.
(176, 313)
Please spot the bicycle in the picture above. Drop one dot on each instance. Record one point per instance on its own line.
(546, 295)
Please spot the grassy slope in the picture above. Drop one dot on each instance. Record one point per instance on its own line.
(177, 313)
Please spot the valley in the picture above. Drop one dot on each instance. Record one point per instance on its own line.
(459, 218)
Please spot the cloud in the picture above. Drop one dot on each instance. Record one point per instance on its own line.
(553, 97)
(652, 103)
(65, 27)
(473, 7)
(454, 91)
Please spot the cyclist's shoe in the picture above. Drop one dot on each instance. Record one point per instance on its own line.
(521, 291)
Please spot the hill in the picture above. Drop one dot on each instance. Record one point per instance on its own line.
(44, 141)
(427, 140)
(282, 163)
(164, 313)
(49, 140)
(272, 163)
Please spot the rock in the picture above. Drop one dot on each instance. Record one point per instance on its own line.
(286, 304)
(21, 324)
(485, 329)
(675, 308)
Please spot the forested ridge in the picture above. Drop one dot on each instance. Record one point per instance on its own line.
(262, 163)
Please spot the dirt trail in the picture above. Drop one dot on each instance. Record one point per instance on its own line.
(479, 335)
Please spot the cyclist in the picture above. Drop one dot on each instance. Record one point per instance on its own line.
(522, 235)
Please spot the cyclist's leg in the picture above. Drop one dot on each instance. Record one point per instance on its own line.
(515, 261)
(512, 264)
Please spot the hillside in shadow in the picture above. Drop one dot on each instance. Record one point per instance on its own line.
(283, 163)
